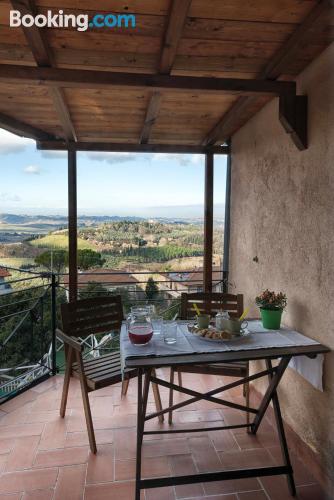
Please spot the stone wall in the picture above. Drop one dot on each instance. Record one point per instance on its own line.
(282, 212)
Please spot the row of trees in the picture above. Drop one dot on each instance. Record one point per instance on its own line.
(160, 254)
(57, 260)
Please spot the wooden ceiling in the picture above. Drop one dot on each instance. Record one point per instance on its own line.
(242, 39)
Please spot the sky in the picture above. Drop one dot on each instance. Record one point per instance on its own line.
(35, 182)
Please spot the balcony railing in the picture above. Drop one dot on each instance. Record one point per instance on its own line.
(30, 313)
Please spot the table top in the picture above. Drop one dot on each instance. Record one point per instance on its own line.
(139, 358)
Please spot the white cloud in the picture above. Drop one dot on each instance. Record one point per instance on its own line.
(113, 158)
(53, 155)
(9, 197)
(32, 170)
(10, 143)
(182, 159)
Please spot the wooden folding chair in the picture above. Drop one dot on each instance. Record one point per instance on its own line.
(99, 315)
(211, 303)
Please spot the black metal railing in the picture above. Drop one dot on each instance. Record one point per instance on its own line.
(27, 329)
(30, 313)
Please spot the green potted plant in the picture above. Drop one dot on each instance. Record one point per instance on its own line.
(271, 306)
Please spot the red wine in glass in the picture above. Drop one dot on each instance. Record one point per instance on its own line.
(140, 335)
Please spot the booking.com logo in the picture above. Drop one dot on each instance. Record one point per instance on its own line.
(81, 21)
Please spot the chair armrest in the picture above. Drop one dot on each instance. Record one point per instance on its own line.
(72, 342)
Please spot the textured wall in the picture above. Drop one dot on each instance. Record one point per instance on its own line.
(283, 213)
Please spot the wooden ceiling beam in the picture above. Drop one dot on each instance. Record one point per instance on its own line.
(44, 58)
(176, 20)
(129, 148)
(24, 129)
(151, 115)
(85, 79)
(275, 67)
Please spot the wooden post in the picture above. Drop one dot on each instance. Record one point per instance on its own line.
(208, 223)
(72, 225)
(227, 224)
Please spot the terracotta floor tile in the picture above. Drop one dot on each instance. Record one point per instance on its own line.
(6, 445)
(125, 443)
(246, 458)
(54, 435)
(17, 416)
(11, 496)
(115, 422)
(204, 454)
(63, 460)
(311, 492)
(3, 461)
(248, 441)
(276, 487)
(38, 495)
(46, 402)
(218, 497)
(42, 416)
(102, 436)
(302, 475)
(184, 465)
(14, 431)
(70, 483)
(232, 486)
(199, 416)
(223, 440)
(151, 467)
(102, 406)
(58, 458)
(28, 480)
(160, 448)
(49, 385)
(75, 421)
(253, 495)
(101, 466)
(119, 491)
(19, 401)
(160, 494)
(23, 453)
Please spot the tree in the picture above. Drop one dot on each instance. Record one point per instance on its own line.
(53, 260)
(88, 259)
(151, 289)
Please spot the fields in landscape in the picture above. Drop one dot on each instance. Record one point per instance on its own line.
(59, 242)
(123, 244)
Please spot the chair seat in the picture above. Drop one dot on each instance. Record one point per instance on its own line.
(233, 369)
(104, 370)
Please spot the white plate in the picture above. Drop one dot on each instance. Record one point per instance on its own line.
(243, 333)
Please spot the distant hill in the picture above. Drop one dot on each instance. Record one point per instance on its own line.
(60, 220)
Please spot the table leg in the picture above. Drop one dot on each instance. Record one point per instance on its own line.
(141, 412)
(281, 435)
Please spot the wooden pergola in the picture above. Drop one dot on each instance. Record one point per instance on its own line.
(184, 80)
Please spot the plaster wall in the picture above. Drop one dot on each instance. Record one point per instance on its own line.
(282, 212)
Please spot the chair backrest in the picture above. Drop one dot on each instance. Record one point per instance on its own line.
(91, 316)
(211, 303)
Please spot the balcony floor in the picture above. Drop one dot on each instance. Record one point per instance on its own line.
(44, 457)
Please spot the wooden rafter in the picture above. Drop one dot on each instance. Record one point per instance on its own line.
(44, 58)
(151, 116)
(176, 19)
(84, 79)
(129, 148)
(23, 129)
(276, 66)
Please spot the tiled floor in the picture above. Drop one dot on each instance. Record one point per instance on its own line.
(44, 457)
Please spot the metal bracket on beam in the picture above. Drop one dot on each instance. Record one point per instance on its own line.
(293, 117)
